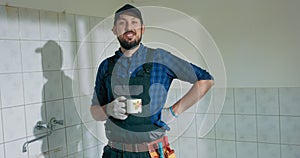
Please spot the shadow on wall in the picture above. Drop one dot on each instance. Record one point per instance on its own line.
(53, 104)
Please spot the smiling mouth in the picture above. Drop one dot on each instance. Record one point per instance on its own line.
(129, 34)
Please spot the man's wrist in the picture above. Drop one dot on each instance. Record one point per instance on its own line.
(172, 112)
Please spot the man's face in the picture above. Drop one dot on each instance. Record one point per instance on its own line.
(128, 30)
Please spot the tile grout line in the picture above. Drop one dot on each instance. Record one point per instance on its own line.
(4, 152)
(256, 119)
(22, 76)
(62, 85)
(279, 122)
(234, 111)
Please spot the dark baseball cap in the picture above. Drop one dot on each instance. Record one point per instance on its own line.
(128, 10)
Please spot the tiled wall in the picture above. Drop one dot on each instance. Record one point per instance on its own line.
(254, 122)
(46, 70)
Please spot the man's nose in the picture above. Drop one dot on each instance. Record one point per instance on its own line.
(128, 27)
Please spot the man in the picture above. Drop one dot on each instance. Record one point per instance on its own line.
(136, 71)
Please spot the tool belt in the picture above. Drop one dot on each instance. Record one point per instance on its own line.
(151, 147)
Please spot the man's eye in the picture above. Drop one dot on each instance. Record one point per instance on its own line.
(121, 22)
(134, 22)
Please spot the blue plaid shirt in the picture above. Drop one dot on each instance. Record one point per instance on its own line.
(166, 67)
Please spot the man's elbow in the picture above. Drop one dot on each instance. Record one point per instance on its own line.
(98, 113)
(206, 83)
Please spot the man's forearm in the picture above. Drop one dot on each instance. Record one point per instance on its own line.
(98, 112)
(198, 90)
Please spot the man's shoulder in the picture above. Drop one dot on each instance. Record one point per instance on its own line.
(157, 51)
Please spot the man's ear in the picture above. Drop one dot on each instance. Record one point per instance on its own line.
(143, 28)
(114, 30)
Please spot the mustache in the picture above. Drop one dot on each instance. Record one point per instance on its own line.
(129, 32)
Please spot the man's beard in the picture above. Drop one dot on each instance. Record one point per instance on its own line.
(129, 45)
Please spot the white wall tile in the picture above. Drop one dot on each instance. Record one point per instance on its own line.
(244, 100)
(188, 147)
(187, 125)
(72, 111)
(111, 47)
(74, 139)
(49, 25)
(14, 123)
(51, 56)
(86, 81)
(289, 101)
(84, 55)
(107, 25)
(246, 128)
(205, 102)
(57, 144)
(223, 98)
(69, 51)
(91, 152)
(290, 129)
(269, 150)
(267, 101)
(206, 126)
(98, 54)
(174, 144)
(174, 129)
(2, 155)
(226, 149)
(67, 28)
(97, 33)
(14, 149)
(268, 129)
(206, 148)
(9, 22)
(38, 148)
(33, 87)
(85, 103)
(225, 127)
(82, 27)
(76, 155)
(11, 90)
(0, 99)
(101, 136)
(1, 127)
(35, 113)
(89, 135)
(10, 60)
(30, 24)
(55, 109)
(171, 98)
(53, 85)
(67, 84)
(70, 83)
(31, 60)
(246, 150)
(290, 151)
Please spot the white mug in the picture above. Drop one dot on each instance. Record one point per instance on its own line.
(134, 106)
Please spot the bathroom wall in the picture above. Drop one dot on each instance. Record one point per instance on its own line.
(35, 86)
(47, 71)
(254, 36)
(254, 123)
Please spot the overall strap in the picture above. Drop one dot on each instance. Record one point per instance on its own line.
(149, 60)
(111, 64)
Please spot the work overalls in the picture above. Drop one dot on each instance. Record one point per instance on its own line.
(137, 128)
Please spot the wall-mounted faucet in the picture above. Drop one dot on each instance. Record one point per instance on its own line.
(40, 126)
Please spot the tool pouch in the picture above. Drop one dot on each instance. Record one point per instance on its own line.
(168, 153)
